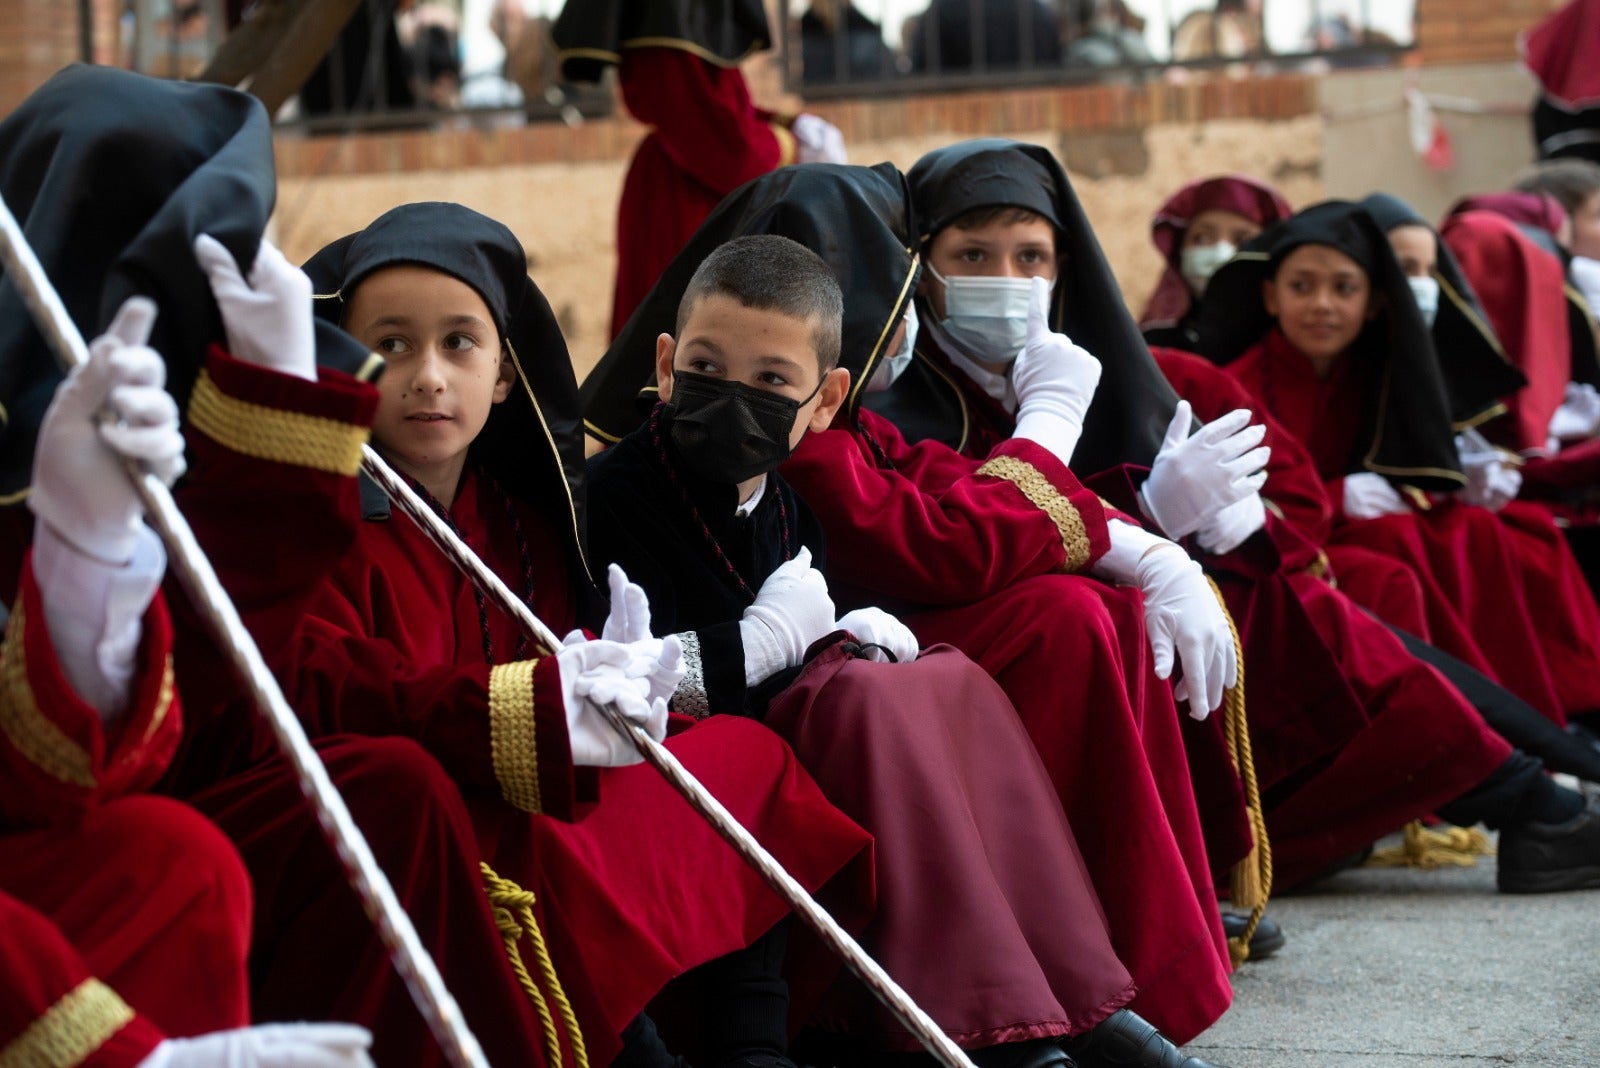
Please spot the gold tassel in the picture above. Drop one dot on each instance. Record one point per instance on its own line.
(1251, 879)
(1430, 850)
(513, 914)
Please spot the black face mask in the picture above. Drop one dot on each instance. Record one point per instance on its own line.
(727, 432)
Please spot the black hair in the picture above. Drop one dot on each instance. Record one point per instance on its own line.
(772, 273)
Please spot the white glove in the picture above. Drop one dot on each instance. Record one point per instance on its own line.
(80, 487)
(267, 318)
(596, 673)
(1586, 276)
(1491, 482)
(1054, 381)
(1185, 620)
(290, 1045)
(1195, 478)
(1228, 529)
(1369, 496)
(792, 609)
(817, 140)
(1579, 414)
(874, 626)
(659, 660)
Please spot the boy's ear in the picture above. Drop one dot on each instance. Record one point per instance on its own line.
(1269, 296)
(508, 375)
(666, 347)
(830, 398)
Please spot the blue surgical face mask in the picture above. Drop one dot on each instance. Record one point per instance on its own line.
(1426, 290)
(894, 365)
(987, 317)
(1199, 263)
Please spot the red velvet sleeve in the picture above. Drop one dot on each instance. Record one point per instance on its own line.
(703, 117)
(502, 727)
(52, 1011)
(929, 525)
(56, 757)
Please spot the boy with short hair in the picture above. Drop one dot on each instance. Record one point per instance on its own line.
(1576, 184)
(926, 752)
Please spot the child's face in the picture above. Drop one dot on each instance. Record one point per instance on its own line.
(446, 370)
(1586, 228)
(756, 347)
(997, 249)
(1416, 249)
(1321, 299)
(1210, 227)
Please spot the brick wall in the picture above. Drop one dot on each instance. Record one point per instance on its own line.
(37, 38)
(1475, 31)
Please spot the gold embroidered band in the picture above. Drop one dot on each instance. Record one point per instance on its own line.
(1044, 496)
(33, 734)
(70, 1030)
(273, 434)
(513, 734)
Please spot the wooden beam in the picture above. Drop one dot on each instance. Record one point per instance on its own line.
(276, 50)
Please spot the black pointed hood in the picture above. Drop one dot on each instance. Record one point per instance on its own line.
(591, 35)
(112, 175)
(1134, 402)
(533, 442)
(856, 218)
(1406, 434)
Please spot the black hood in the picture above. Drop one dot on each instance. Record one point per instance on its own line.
(1407, 433)
(1134, 402)
(591, 35)
(856, 218)
(533, 442)
(112, 175)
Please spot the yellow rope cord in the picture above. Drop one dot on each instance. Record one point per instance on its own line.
(513, 913)
(1252, 876)
(1430, 850)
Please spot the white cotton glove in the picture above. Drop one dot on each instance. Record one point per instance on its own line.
(1369, 496)
(1578, 417)
(596, 673)
(1491, 482)
(1054, 381)
(658, 660)
(874, 626)
(1227, 530)
(1181, 612)
(268, 318)
(1195, 477)
(791, 610)
(817, 140)
(289, 1045)
(80, 486)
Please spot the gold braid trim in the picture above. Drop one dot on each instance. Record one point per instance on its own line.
(513, 734)
(163, 700)
(33, 733)
(513, 914)
(788, 147)
(1252, 876)
(1428, 849)
(1045, 497)
(70, 1030)
(274, 434)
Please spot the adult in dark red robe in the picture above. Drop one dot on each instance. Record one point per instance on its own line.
(1566, 120)
(1230, 209)
(1379, 429)
(112, 176)
(969, 558)
(398, 643)
(678, 71)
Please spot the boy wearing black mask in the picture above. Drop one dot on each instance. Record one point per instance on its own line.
(986, 914)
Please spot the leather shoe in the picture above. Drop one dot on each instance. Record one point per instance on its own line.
(1035, 1053)
(1267, 940)
(1125, 1040)
(1542, 858)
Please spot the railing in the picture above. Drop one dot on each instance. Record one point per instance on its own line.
(871, 47)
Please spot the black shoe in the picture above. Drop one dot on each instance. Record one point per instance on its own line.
(1036, 1053)
(1267, 940)
(1124, 1040)
(1542, 858)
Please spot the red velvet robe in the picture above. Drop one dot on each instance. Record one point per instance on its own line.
(270, 496)
(975, 559)
(97, 879)
(1352, 736)
(391, 645)
(1461, 554)
(706, 140)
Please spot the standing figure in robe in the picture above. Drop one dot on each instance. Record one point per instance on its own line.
(969, 557)
(678, 70)
(926, 752)
(124, 917)
(477, 408)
